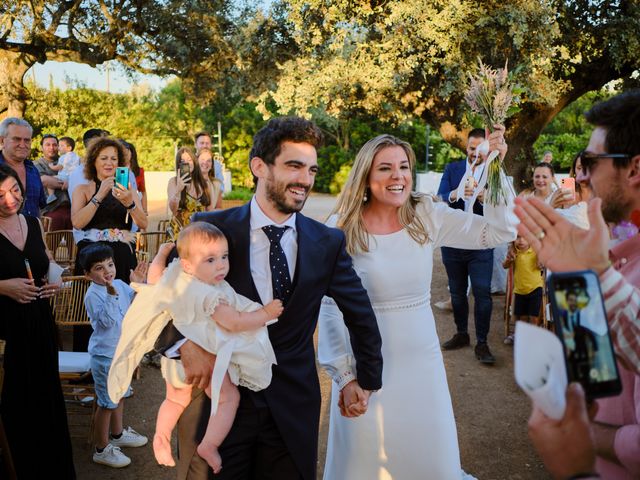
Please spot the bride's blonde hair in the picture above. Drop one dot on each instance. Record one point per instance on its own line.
(354, 197)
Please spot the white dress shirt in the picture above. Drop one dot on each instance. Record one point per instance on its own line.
(260, 247)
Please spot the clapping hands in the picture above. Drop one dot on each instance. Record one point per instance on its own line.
(354, 400)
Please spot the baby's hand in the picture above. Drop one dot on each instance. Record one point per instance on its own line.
(165, 249)
(274, 308)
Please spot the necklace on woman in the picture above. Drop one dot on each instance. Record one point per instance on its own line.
(10, 236)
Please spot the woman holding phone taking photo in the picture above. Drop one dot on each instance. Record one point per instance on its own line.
(31, 394)
(104, 209)
(189, 191)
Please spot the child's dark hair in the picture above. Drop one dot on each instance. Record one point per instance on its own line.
(69, 141)
(94, 253)
(202, 231)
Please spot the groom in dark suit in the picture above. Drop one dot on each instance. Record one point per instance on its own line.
(276, 252)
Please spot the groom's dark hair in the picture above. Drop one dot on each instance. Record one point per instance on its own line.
(268, 141)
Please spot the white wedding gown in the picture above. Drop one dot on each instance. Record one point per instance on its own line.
(409, 430)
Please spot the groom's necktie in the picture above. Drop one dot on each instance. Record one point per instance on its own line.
(280, 278)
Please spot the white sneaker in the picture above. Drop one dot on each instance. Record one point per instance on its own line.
(129, 438)
(112, 457)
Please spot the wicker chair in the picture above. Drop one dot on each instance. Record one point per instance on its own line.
(62, 247)
(164, 224)
(77, 389)
(68, 303)
(46, 223)
(147, 244)
(79, 393)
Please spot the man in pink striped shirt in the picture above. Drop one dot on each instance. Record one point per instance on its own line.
(611, 164)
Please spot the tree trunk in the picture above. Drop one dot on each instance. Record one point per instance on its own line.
(13, 95)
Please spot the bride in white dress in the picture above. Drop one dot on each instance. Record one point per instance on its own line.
(408, 431)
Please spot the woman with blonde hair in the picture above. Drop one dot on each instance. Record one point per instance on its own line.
(391, 233)
(188, 192)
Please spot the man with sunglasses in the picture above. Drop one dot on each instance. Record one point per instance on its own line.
(611, 165)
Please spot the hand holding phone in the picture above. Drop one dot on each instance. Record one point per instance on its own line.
(581, 324)
(569, 185)
(185, 172)
(122, 177)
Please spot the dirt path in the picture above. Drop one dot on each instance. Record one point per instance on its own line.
(491, 411)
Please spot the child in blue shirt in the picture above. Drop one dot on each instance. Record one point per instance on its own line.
(107, 301)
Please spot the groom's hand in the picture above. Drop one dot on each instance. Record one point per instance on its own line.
(197, 363)
(353, 400)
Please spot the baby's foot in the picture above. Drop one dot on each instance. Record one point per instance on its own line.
(210, 453)
(162, 450)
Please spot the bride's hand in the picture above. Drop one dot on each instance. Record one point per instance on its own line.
(353, 400)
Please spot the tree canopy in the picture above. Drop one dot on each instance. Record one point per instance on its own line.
(397, 59)
(189, 39)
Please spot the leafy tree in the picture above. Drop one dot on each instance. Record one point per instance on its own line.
(165, 37)
(396, 60)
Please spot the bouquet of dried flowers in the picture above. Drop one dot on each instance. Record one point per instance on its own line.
(492, 95)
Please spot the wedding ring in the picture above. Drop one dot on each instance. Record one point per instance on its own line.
(540, 235)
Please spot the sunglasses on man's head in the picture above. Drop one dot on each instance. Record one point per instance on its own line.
(588, 159)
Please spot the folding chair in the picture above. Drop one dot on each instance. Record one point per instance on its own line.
(62, 247)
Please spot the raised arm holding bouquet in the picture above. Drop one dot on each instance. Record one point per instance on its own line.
(491, 94)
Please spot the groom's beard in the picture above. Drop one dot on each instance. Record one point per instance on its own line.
(277, 193)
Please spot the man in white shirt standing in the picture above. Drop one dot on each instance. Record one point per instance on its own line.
(461, 264)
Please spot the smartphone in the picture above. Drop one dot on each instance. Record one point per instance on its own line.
(569, 183)
(122, 176)
(577, 308)
(185, 170)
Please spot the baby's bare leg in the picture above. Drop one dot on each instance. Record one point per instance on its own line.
(168, 415)
(220, 424)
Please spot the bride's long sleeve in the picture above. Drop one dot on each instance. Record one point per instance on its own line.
(454, 228)
(334, 347)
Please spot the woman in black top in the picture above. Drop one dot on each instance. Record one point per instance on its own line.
(104, 210)
(32, 405)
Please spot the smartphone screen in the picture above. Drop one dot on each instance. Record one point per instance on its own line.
(185, 170)
(581, 324)
(122, 176)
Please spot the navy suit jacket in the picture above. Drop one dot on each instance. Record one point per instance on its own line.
(323, 267)
(450, 180)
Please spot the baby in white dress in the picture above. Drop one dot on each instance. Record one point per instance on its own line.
(206, 310)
